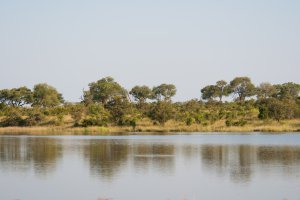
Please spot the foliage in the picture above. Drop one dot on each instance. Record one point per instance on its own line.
(76, 111)
(164, 92)
(278, 109)
(141, 93)
(240, 122)
(288, 90)
(106, 103)
(208, 92)
(35, 117)
(218, 90)
(266, 90)
(16, 96)
(46, 96)
(243, 87)
(121, 111)
(161, 111)
(13, 118)
(105, 90)
(97, 115)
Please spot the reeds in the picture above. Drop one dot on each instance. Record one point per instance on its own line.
(147, 127)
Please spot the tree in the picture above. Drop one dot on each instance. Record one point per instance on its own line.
(222, 89)
(165, 91)
(35, 116)
(266, 90)
(162, 111)
(16, 96)
(243, 87)
(208, 92)
(104, 90)
(278, 109)
(121, 110)
(288, 90)
(76, 111)
(219, 90)
(141, 93)
(46, 96)
(87, 98)
(97, 115)
(13, 117)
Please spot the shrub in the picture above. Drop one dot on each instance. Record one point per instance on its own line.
(190, 121)
(34, 117)
(230, 122)
(13, 118)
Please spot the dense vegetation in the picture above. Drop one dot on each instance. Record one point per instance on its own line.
(107, 103)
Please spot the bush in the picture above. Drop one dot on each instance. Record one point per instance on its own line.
(76, 112)
(94, 121)
(13, 118)
(190, 121)
(230, 122)
(34, 118)
(263, 112)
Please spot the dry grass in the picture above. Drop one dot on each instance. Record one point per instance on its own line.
(147, 126)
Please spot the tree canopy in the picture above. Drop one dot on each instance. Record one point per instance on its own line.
(16, 96)
(141, 93)
(164, 92)
(45, 95)
(107, 103)
(243, 87)
(105, 90)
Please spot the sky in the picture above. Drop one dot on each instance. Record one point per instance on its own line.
(189, 43)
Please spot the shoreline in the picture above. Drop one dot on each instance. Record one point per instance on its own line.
(284, 126)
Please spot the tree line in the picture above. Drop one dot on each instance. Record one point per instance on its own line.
(107, 103)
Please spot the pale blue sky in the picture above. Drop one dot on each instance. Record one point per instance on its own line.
(190, 43)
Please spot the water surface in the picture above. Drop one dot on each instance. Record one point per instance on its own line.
(254, 166)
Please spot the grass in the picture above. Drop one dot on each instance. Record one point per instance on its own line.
(147, 127)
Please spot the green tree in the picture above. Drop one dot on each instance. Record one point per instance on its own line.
(13, 117)
(162, 111)
(278, 109)
(141, 93)
(87, 98)
(121, 110)
(97, 115)
(76, 111)
(219, 90)
(16, 97)
(35, 116)
(164, 92)
(105, 90)
(208, 92)
(288, 90)
(45, 95)
(266, 90)
(243, 87)
(222, 89)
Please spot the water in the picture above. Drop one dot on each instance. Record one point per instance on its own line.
(150, 167)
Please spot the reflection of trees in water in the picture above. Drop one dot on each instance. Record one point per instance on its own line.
(44, 153)
(243, 168)
(241, 161)
(190, 152)
(106, 157)
(284, 155)
(286, 158)
(20, 153)
(158, 156)
(215, 155)
(11, 154)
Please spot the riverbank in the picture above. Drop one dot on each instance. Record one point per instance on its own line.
(254, 126)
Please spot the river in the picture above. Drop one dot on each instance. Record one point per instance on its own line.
(183, 167)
